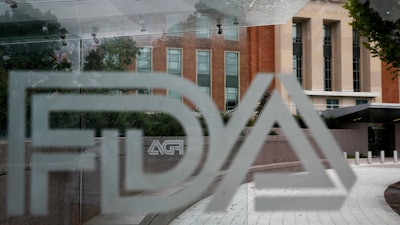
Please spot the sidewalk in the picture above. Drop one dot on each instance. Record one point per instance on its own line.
(365, 204)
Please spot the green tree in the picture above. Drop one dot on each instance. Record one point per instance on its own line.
(25, 46)
(113, 54)
(378, 21)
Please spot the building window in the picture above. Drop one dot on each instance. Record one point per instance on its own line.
(231, 98)
(327, 58)
(231, 80)
(361, 101)
(143, 60)
(203, 27)
(230, 33)
(174, 58)
(356, 62)
(206, 90)
(143, 65)
(297, 51)
(231, 64)
(174, 25)
(332, 103)
(203, 71)
(174, 66)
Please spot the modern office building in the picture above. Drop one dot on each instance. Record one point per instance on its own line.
(322, 50)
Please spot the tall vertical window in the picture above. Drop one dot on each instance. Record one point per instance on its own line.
(332, 103)
(231, 80)
(143, 65)
(143, 60)
(174, 25)
(356, 62)
(230, 33)
(297, 51)
(327, 58)
(174, 66)
(203, 71)
(203, 26)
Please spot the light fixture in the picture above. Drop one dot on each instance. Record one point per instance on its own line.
(142, 25)
(63, 34)
(235, 21)
(219, 26)
(12, 4)
(94, 34)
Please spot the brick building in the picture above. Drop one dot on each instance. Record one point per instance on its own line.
(193, 49)
(317, 46)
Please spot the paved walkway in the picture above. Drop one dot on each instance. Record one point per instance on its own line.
(365, 205)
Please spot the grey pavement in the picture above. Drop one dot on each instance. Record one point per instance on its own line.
(365, 204)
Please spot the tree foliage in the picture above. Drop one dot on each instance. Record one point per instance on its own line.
(24, 46)
(113, 54)
(378, 21)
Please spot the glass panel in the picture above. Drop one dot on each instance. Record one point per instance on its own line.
(231, 64)
(332, 103)
(230, 33)
(297, 51)
(361, 101)
(205, 90)
(94, 129)
(174, 61)
(327, 58)
(143, 60)
(356, 62)
(203, 62)
(231, 98)
(174, 25)
(203, 26)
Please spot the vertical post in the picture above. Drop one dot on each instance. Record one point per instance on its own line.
(395, 156)
(345, 155)
(369, 160)
(382, 156)
(357, 158)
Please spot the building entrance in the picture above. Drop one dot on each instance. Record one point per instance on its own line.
(379, 139)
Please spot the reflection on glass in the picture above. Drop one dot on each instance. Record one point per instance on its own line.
(204, 70)
(138, 38)
(232, 79)
(203, 26)
(174, 66)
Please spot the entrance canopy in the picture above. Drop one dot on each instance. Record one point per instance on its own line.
(371, 112)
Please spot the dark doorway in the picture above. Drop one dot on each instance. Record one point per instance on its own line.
(379, 139)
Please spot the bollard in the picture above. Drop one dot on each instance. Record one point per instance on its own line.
(357, 158)
(345, 155)
(369, 160)
(395, 156)
(382, 156)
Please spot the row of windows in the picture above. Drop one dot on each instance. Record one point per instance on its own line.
(203, 65)
(297, 30)
(334, 103)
